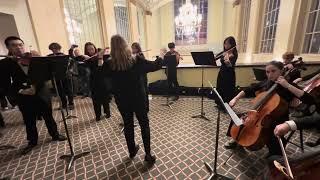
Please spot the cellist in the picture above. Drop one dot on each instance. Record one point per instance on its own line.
(274, 70)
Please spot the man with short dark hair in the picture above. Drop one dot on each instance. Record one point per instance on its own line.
(32, 99)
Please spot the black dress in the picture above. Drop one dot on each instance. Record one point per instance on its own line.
(226, 81)
(130, 96)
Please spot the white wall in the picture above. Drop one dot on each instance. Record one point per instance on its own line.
(8, 28)
(18, 8)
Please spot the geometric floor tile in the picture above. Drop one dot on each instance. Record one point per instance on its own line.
(181, 144)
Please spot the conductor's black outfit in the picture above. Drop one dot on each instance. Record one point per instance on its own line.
(130, 97)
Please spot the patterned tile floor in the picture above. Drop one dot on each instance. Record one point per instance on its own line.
(180, 143)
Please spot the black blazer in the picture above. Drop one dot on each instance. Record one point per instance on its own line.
(128, 86)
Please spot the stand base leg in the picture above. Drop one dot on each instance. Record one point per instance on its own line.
(202, 116)
(215, 175)
(71, 117)
(71, 158)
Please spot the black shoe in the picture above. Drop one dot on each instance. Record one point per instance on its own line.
(27, 149)
(59, 138)
(231, 144)
(71, 107)
(313, 144)
(98, 118)
(150, 159)
(107, 115)
(135, 152)
(2, 124)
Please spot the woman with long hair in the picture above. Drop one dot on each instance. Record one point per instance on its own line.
(226, 81)
(126, 74)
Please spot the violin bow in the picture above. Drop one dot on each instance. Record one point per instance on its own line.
(288, 172)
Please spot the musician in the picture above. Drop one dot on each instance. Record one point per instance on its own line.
(129, 92)
(287, 60)
(172, 79)
(226, 80)
(32, 98)
(100, 87)
(136, 51)
(64, 86)
(273, 71)
(307, 77)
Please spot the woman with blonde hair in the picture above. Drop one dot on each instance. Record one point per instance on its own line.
(126, 74)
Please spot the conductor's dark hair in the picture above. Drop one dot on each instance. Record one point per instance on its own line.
(171, 45)
(11, 38)
(54, 45)
(277, 64)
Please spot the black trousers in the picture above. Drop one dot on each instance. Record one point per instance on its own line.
(65, 90)
(1, 120)
(98, 102)
(173, 87)
(143, 120)
(30, 107)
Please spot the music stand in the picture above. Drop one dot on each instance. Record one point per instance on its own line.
(203, 59)
(260, 74)
(213, 171)
(170, 62)
(54, 67)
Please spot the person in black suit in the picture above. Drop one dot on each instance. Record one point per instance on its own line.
(64, 86)
(32, 99)
(304, 122)
(129, 92)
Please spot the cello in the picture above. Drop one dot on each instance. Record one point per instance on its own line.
(267, 106)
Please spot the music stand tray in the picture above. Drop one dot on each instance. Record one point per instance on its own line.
(203, 59)
(54, 67)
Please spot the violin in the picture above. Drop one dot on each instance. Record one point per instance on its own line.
(267, 107)
(224, 53)
(23, 59)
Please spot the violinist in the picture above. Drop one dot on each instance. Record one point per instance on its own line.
(136, 51)
(100, 86)
(226, 80)
(32, 99)
(287, 61)
(64, 85)
(274, 70)
(172, 81)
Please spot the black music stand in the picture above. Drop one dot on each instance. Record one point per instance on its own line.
(213, 171)
(54, 67)
(170, 62)
(203, 58)
(260, 74)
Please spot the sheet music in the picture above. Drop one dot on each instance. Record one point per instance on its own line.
(237, 121)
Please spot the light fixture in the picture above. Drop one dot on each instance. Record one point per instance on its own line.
(188, 22)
